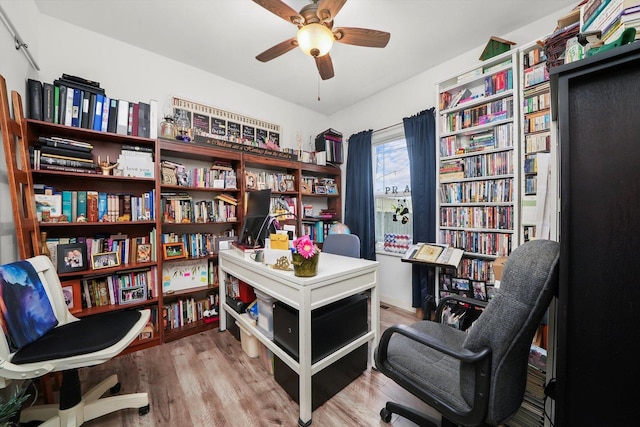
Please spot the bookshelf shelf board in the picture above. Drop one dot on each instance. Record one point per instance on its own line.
(471, 204)
(189, 291)
(92, 176)
(115, 307)
(94, 224)
(189, 329)
(481, 178)
(475, 153)
(193, 258)
(91, 274)
(501, 62)
(194, 224)
(478, 230)
(208, 189)
(87, 135)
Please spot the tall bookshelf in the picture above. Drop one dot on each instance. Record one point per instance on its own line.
(478, 130)
(538, 146)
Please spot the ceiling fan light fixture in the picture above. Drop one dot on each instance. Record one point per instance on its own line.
(315, 39)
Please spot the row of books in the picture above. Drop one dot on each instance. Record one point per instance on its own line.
(538, 121)
(535, 75)
(120, 288)
(485, 191)
(217, 176)
(91, 206)
(476, 116)
(537, 102)
(493, 217)
(500, 136)
(317, 230)
(77, 102)
(58, 153)
(482, 165)
(186, 311)
(181, 208)
(484, 243)
(195, 244)
(278, 182)
(536, 143)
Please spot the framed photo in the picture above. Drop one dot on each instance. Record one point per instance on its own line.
(479, 290)
(320, 189)
(445, 282)
(72, 295)
(332, 189)
(72, 257)
(460, 284)
(282, 186)
(173, 250)
(132, 294)
(251, 181)
(223, 243)
(105, 260)
(290, 185)
(143, 253)
(305, 188)
(230, 181)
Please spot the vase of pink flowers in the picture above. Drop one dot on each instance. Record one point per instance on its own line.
(305, 257)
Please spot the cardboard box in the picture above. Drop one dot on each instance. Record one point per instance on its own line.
(498, 267)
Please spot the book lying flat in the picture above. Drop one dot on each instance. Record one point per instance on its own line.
(434, 254)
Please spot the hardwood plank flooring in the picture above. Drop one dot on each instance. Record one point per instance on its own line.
(207, 380)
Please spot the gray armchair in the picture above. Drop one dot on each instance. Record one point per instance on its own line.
(477, 376)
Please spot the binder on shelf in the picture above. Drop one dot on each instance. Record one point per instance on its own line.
(435, 254)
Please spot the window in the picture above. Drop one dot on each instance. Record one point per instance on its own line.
(392, 191)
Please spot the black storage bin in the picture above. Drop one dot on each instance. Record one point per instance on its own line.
(232, 327)
(326, 383)
(332, 326)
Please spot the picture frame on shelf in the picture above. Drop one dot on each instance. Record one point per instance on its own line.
(105, 260)
(71, 257)
(460, 284)
(320, 189)
(224, 242)
(132, 294)
(251, 181)
(332, 189)
(174, 250)
(479, 290)
(290, 185)
(230, 181)
(305, 188)
(72, 295)
(143, 253)
(282, 186)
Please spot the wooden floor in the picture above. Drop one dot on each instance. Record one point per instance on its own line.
(207, 380)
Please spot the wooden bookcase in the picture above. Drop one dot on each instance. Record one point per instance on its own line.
(162, 298)
(86, 278)
(477, 131)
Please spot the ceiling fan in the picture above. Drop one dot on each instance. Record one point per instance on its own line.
(316, 33)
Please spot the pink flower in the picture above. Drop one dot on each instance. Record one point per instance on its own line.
(305, 247)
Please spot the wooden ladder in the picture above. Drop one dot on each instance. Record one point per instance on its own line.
(16, 153)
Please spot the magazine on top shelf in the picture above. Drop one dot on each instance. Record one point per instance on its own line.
(434, 253)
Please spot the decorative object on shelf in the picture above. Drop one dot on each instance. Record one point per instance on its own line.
(72, 257)
(183, 127)
(106, 166)
(495, 47)
(105, 260)
(174, 250)
(305, 257)
(44, 249)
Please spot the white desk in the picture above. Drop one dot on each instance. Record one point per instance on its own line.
(338, 277)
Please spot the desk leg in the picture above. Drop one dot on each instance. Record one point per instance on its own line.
(375, 320)
(304, 318)
(222, 297)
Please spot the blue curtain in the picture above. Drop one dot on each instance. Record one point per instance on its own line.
(359, 210)
(420, 133)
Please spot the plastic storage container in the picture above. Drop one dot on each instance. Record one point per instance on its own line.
(250, 344)
(265, 313)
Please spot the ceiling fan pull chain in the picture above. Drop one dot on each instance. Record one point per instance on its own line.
(318, 88)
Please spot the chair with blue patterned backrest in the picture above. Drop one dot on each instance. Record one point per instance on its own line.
(42, 336)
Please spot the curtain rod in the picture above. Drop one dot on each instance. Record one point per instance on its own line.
(387, 127)
(19, 44)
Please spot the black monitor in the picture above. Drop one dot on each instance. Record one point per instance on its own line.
(257, 225)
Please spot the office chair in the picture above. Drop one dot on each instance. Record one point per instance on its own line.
(478, 376)
(42, 336)
(342, 244)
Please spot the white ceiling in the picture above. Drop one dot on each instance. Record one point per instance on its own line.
(224, 36)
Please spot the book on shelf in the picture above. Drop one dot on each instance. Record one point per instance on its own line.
(34, 95)
(48, 103)
(434, 254)
(66, 152)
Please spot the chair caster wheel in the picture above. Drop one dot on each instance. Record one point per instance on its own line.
(385, 415)
(115, 389)
(143, 411)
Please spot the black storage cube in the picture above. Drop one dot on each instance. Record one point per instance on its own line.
(332, 326)
(232, 327)
(326, 383)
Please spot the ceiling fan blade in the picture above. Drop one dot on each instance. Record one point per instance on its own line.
(277, 50)
(361, 37)
(325, 66)
(328, 9)
(281, 9)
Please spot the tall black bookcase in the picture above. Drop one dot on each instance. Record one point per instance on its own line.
(598, 367)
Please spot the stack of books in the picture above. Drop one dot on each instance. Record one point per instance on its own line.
(63, 154)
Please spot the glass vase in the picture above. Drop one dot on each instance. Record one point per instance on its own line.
(305, 267)
(44, 249)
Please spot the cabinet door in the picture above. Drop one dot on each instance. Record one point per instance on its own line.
(600, 211)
